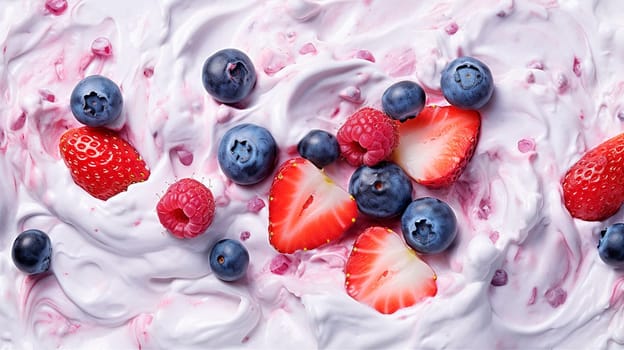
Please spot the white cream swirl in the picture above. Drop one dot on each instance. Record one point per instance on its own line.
(118, 280)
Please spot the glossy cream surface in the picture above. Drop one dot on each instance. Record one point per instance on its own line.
(119, 281)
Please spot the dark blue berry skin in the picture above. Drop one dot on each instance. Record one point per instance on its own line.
(229, 260)
(319, 147)
(229, 76)
(403, 100)
(467, 83)
(32, 251)
(611, 245)
(247, 154)
(429, 225)
(382, 191)
(96, 101)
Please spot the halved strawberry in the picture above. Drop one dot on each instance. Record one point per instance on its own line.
(306, 208)
(435, 147)
(383, 272)
(593, 188)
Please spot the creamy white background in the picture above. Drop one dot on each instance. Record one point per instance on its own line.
(120, 281)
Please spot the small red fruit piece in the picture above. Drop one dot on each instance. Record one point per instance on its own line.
(306, 208)
(386, 274)
(101, 162)
(593, 188)
(186, 209)
(56, 7)
(437, 145)
(367, 137)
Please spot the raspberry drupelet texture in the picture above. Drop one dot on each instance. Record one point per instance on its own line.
(186, 209)
(367, 137)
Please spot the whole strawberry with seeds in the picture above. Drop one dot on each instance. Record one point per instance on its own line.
(386, 274)
(101, 162)
(367, 137)
(437, 145)
(593, 188)
(306, 208)
(186, 209)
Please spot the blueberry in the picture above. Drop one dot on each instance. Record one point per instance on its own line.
(381, 191)
(467, 83)
(32, 251)
(229, 76)
(403, 100)
(429, 225)
(96, 101)
(319, 147)
(229, 260)
(611, 245)
(247, 154)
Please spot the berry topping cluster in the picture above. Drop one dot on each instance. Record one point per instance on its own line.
(393, 153)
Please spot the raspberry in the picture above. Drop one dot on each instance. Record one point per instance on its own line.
(186, 209)
(367, 137)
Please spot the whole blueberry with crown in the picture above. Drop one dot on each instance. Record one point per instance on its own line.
(611, 245)
(381, 191)
(403, 100)
(229, 260)
(32, 251)
(467, 83)
(247, 154)
(429, 225)
(96, 101)
(229, 75)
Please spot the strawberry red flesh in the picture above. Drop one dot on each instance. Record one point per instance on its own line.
(593, 188)
(384, 273)
(436, 146)
(306, 208)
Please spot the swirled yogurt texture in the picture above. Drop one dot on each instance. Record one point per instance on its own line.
(119, 281)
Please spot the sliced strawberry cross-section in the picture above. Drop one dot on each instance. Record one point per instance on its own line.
(306, 208)
(436, 146)
(383, 272)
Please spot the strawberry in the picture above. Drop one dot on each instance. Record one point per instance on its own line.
(383, 272)
(436, 146)
(306, 208)
(101, 162)
(593, 188)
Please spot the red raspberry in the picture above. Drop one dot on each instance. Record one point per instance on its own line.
(186, 209)
(367, 137)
